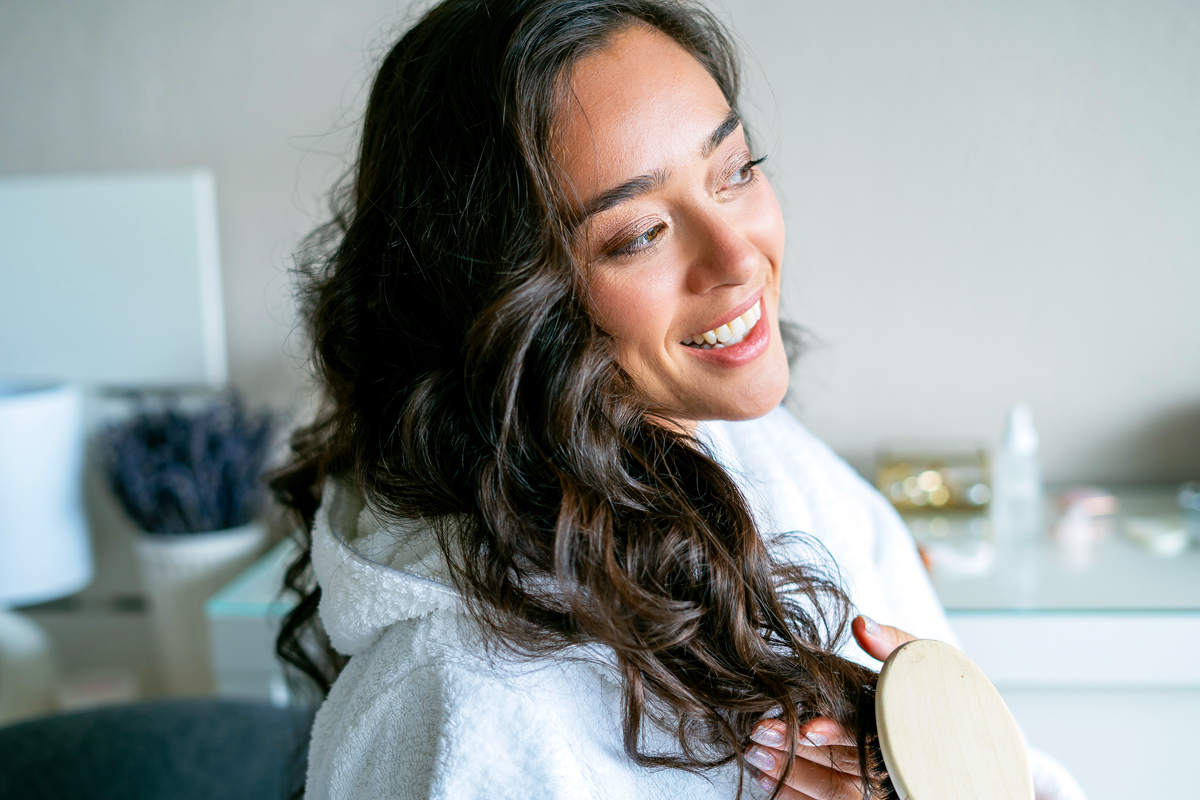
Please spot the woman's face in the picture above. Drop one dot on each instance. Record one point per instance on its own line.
(683, 236)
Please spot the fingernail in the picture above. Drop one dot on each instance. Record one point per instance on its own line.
(767, 735)
(816, 739)
(760, 758)
(766, 783)
(871, 625)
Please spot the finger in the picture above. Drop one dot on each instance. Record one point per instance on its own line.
(823, 731)
(815, 780)
(878, 640)
(821, 741)
(819, 732)
(767, 784)
(840, 759)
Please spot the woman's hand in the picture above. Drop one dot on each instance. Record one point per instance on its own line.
(826, 765)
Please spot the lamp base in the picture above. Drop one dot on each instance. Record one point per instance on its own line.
(28, 674)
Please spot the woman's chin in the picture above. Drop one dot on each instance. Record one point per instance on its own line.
(745, 400)
(753, 408)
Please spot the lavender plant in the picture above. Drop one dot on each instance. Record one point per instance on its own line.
(188, 471)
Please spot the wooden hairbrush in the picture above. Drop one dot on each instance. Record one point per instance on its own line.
(944, 730)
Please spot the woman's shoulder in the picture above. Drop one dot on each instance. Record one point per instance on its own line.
(427, 711)
(387, 602)
(442, 651)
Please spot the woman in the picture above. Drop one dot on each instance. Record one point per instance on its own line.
(547, 497)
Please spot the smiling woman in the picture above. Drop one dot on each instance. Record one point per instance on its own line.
(682, 234)
(551, 504)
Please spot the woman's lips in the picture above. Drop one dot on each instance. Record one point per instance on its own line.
(737, 311)
(745, 351)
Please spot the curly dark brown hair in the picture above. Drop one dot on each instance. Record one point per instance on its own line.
(467, 382)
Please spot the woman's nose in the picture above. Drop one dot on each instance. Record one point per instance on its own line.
(722, 256)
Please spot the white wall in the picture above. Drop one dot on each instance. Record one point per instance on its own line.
(264, 93)
(989, 202)
(986, 202)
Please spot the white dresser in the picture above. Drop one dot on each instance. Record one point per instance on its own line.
(1097, 653)
(243, 620)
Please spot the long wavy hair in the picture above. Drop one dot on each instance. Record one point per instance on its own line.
(467, 382)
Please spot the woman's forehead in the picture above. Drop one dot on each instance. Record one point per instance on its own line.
(641, 105)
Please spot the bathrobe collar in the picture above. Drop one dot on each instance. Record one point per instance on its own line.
(372, 576)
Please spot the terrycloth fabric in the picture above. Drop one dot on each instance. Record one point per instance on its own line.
(422, 711)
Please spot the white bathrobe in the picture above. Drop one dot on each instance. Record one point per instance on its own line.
(423, 711)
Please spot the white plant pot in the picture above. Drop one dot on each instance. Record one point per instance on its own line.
(180, 572)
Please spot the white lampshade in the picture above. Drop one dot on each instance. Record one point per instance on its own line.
(45, 552)
(112, 279)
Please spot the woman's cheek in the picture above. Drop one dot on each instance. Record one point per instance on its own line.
(627, 308)
(763, 222)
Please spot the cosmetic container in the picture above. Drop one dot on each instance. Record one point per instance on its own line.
(1018, 494)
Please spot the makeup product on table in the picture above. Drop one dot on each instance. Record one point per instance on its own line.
(1018, 495)
(933, 476)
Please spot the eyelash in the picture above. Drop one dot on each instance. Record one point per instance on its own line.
(749, 167)
(633, 248)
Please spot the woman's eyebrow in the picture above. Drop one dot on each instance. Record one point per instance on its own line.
(727, 126)
(643, 184)
(618, 194)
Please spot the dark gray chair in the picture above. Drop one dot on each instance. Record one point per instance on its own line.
(197, 749)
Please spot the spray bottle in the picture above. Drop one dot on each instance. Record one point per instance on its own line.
(1018, 495)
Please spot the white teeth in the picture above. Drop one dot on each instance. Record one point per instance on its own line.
(728, 334)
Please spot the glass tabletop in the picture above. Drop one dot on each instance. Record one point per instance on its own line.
(258, 591)
(971, 572)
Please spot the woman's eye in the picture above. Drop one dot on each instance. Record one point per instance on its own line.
(745, 174)
(640, 243)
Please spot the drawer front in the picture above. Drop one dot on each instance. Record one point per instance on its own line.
(1074, 650)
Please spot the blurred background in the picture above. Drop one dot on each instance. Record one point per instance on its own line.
(987, 204)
